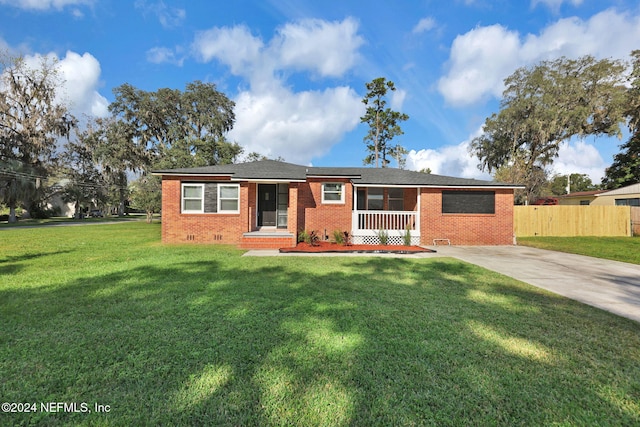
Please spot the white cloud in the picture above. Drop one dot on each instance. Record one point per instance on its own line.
(456, 160)
(80, 75)
(555, 4)
(327, 48)
(580, 157)
(82, 78)
(235, 47)
(43, 5)
(397, 99)
(479, 61)
(271, 118)
(159, 55)
(482, 58)
(169, 17)
(449, 160)
(297, 126)
(424, 25)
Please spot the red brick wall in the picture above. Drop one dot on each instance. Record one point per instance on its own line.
(410, 199)
(200, 228)
(466, 229)
(269, 242)
(307, 212)
(313, 215)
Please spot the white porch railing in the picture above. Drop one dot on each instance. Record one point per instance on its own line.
(385, 220)
(366, 226)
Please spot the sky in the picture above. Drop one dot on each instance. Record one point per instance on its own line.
(297, 69)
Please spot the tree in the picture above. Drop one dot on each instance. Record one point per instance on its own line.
(516, 172)
(547, 104)
(254, 156)
(18, 183)
(84, 184)
(179, 129)
(625, 169)
(383, 122)
(399, 153)
(146, 194)
(576, 181)
(31, 121)
(117, 153)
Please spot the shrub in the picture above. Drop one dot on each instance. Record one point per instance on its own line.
(311, 238)
(383, 235)
(314, 239)
(338, 236)
(407, 235)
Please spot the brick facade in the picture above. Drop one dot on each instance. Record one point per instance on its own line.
(313, 215)
(466, 229)
(307, 212)
(200, 228)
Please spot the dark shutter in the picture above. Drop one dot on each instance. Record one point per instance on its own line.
(469, 202)
(210, 197)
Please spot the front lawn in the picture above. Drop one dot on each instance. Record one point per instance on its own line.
(625, 249)
(198, 335)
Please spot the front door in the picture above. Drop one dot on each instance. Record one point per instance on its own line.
(267, 205)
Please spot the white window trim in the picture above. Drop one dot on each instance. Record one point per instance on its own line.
(222, 211)
(334, 202)
(182, 198)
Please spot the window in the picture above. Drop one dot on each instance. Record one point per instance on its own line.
(210, 197)
(333, 192)
(283, 205)
(396, 199)
(193, 198)
(375, 199)
(469, 202)
(628, 202)
(228, 198)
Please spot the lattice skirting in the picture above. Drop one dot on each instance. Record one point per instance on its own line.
(375, 240)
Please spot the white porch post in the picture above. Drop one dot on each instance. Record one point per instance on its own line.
(418, 213)
(354, 214)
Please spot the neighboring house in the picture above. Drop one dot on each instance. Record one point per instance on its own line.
(581, 198)
(623, 196)
(265, 204)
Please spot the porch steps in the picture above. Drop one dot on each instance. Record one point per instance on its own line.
(267, 240)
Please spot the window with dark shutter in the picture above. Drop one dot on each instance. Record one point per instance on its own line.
(469, 202)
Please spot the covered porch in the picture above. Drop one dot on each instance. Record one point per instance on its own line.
(389, 211)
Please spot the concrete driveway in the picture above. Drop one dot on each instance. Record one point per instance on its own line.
(609, 285)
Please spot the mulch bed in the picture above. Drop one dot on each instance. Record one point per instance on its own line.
(321, 247)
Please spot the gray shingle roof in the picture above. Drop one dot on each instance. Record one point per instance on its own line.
(274, 170)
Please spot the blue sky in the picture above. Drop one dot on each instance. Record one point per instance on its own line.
(297, 69)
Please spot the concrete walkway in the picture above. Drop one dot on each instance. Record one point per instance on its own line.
(609, 285)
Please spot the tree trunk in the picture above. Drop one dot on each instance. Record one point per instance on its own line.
(122, 200)
(12, 213)
(377, 136)
(149, 217)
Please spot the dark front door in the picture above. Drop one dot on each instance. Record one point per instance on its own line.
(267, 205)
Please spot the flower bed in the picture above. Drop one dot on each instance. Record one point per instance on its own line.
(334, 247)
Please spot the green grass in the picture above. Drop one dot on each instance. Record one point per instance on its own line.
(58, 220)
(625, 249)
(198, 335)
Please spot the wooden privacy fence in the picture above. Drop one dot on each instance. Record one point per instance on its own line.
(573, 221)
(635, 220)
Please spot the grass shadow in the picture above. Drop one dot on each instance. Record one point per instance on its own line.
(357, 341)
